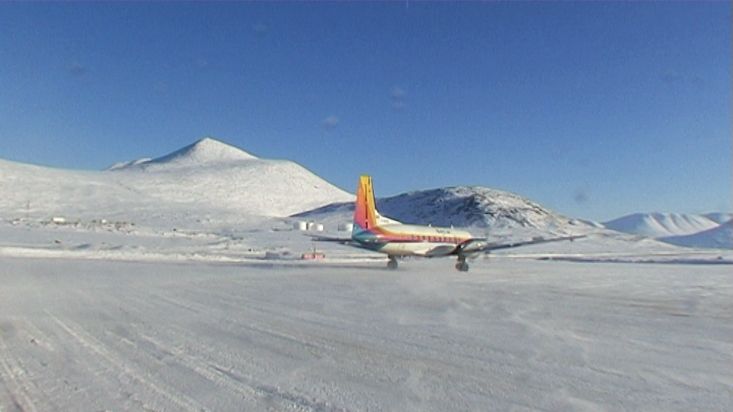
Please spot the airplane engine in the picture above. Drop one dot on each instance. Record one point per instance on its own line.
(473, 246)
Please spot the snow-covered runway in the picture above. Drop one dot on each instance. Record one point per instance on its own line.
(510, 335)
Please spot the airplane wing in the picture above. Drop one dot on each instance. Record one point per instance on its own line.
(350, 241)
(341, 240)
(440, 250)
(535, 241)
(478, 245)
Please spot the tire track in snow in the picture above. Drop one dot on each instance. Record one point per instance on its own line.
(375, 356)
(33, 343)
(223, 376)
(328, 342)
(388, 356)
(19, 387)
(87, 341)
(404, 352)
(36, 336)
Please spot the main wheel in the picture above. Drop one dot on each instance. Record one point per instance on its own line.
(462, 266)
(392, 264)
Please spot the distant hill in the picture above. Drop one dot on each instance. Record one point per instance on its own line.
(207, 180)
(657, 225)
(720, 237)
(719, 217)
(689, 230)
(462, 206)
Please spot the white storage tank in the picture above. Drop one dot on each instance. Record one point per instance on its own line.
(318, 227)
(300, 225)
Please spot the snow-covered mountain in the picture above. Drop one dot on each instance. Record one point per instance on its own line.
(719, 217)
(462, 206)
(208, 180)
(691, 230)
(212, 183)
(658, 225)
(720, 237)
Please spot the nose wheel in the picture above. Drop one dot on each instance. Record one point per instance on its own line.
(392, 264)
(462, 265)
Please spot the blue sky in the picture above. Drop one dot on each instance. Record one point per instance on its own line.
(592, 109)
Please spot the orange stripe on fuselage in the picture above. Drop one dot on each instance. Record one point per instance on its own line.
(397, 236)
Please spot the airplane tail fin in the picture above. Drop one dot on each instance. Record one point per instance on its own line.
(365, 211)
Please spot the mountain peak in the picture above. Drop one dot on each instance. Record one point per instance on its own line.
(207, 150)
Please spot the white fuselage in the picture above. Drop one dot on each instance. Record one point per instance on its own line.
(398, 239)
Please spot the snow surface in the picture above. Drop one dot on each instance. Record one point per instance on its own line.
(511, 335)
(102, 315)
(661, 224)
(128, 164)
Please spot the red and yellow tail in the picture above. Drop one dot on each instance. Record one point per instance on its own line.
(365, 211)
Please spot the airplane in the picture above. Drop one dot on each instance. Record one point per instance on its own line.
(395, 239)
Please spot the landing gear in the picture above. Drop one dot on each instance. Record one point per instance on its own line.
(392, 264)
(461, 265)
